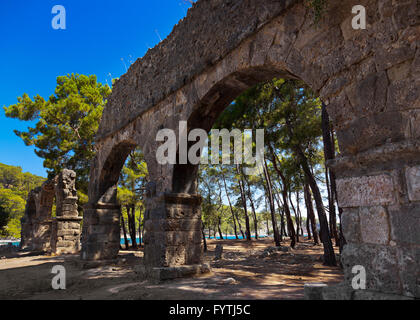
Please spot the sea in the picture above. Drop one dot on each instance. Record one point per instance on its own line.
(229, 237)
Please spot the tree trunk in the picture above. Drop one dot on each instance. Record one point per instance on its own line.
(296, 216)
(124, 231)
(310, 213)
(329, 255)
(308, 228)
(219, 222)
(254, 214)
(132, 225)
(140, 233)
(299, 212)
(334, 192)
(268, 227)
(272, 207)
(282, 229)
(290, 227)
(230, 206)
(329, 155)
(204, 237)
(241, 187)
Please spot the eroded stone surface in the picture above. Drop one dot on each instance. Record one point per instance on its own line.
(413, 183)
(374, 225)
(365, 191)
(368, 79)
(42, 232)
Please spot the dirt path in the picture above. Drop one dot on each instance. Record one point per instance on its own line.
(245, 272)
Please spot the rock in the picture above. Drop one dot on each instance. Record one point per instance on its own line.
(218, 253)
(274, 250)
(229, 281)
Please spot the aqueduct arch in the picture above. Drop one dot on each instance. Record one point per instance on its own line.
(369, 80)
(43, 232)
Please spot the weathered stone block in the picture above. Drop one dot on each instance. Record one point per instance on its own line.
(409, 266)
(66, 232)
(404, 95)
(380, 263)
(173, 237)
(341, 291)
(365, 191)
(375, 295)
(182, 212)
(369, 95)
(173, 224)
(175, 255)
(313, 291)
(371, 131)
(374, 225)
(412, 176)
(351, 225)
(193, 253)
(405, 224)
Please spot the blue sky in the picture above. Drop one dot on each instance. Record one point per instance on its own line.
(99, 33)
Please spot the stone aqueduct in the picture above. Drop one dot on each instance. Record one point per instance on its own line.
(43, 232)
(369, 80)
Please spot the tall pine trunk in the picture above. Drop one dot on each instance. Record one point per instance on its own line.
(329, 155)
(243, 198)
(272, 206)
(329, 255)
(282, 229)
(218, 228)
(296, 216)
(310, 213)
(230, 206)
(132, 225)
(290, 227)
(124, 232)
(254, 214)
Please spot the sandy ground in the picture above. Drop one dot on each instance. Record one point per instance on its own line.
(242, 273)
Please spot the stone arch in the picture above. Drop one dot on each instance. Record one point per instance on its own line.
(111, 170)
(216, 99)
(369, 80)
(101, 233)
(43, 232)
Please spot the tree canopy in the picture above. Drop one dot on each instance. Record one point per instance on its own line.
(14, 188)
(66, 124)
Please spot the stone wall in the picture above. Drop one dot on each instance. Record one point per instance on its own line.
(186, 52)
(369, 80)
(173, 231)
(41, 231)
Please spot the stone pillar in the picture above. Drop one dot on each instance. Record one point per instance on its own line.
(173, 236)
(41, 223)
(101, 231)
(379, 191)
(65, 235)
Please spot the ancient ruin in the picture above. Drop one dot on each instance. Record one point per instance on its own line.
(369, 80)
(43, 232)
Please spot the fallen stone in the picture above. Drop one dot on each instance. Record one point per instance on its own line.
(218, 253)
(229, 281)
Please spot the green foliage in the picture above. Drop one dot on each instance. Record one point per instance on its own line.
(66, 124)
(132, 184)
(14, 188)
(271, 106)
(12, 207)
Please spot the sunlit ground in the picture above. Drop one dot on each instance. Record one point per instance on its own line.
(243, 273)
